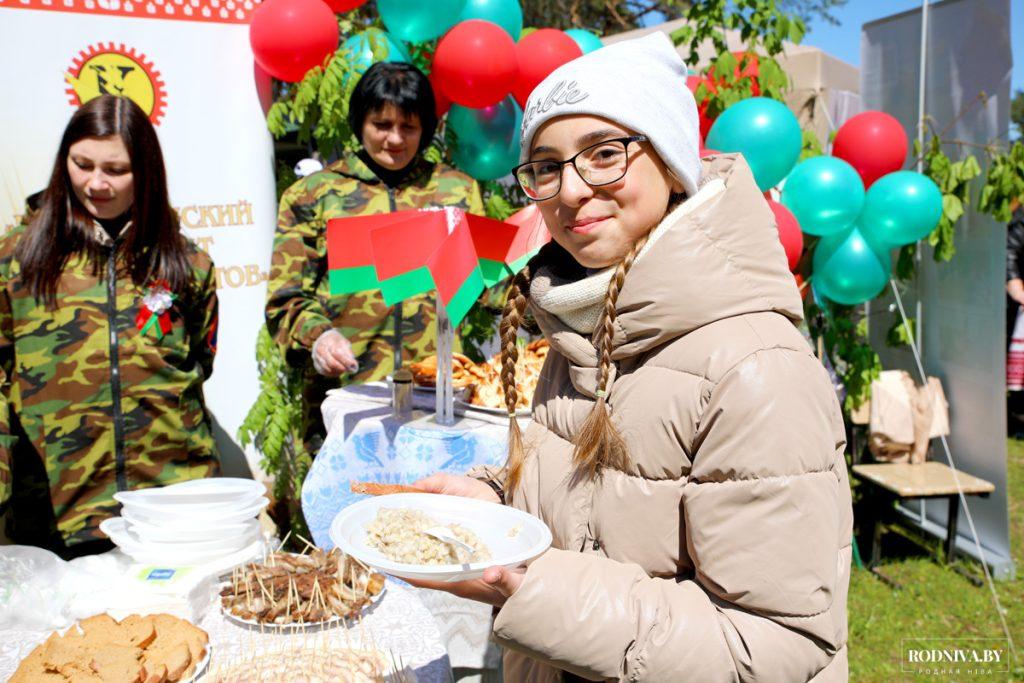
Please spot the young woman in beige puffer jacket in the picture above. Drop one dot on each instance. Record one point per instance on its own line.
(686, 448)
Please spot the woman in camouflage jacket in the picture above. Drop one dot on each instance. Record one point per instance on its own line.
(351, 337)
(107, 332)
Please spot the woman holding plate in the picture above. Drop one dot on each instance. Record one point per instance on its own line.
(686, 449)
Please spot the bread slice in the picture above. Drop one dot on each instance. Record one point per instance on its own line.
(117, 663)
(101, 628)
(153, 672)
(139, 631)
(171, 653)
(67, 655)
(195, 637)
(32, 669)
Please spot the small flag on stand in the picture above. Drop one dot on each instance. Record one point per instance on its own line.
(505, 247)
(413, 252)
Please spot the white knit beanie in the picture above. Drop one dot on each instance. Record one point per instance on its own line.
(639, 84)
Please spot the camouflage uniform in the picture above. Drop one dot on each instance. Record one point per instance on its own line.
(299, 303)
(90, 406)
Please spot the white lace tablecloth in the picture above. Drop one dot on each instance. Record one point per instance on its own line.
(364, 443)
(397, 623)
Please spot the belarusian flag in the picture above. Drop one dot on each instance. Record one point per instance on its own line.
(350, 266)
(504, 247)
(404, 254)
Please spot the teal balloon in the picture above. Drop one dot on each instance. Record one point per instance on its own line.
(360, 46)
(850, 269)
(487, 139)
(587, 41)
(416, 20)
(507, 14)
(765, 132)
(901, 208)
(825, 194)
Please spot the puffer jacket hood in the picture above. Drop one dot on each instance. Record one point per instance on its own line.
(721, 260)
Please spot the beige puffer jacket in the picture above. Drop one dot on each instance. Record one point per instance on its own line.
(723, 554)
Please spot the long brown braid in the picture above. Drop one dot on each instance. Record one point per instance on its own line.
(511, 319)
(598, 444)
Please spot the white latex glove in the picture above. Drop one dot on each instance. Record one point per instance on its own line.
(332, 355)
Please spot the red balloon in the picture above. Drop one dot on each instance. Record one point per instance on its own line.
(475, 63)
(874, 143)
(441, 102)
(290, 37)
(340, 6)
(264, 87)
(539, 54)
(692, 82)
(789, 233)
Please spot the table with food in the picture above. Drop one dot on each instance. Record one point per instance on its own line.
(195, 590)
(366, 442)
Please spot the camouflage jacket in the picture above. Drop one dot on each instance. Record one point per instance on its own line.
(299, 303)
(90, 406)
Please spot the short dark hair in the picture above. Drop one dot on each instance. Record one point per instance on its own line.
(397, 83)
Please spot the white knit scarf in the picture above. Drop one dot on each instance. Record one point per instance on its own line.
(578, 303)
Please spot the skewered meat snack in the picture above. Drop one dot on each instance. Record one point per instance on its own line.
(301, 589)
(484, 379)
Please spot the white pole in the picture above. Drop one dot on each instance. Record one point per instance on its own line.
(444, 408)
(922, 81)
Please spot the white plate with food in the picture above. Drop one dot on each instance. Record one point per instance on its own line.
(387, 533)
(201, 666)
(332, 622)
(290, 590)
(520, 412)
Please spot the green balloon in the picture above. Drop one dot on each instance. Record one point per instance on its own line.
(765, 132)
(507, 14)
(825, 195)
(361, 46)
(416, 21)
(901, 208)
(487, 139)
(849, 269)
(587, 41)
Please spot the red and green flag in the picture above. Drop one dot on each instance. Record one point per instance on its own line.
(505, 247)
(413, 252)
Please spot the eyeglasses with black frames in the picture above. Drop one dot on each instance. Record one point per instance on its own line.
(600, 164)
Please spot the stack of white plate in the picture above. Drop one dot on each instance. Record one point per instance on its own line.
(195, 522)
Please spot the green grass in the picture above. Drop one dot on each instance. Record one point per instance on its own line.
(935, 602)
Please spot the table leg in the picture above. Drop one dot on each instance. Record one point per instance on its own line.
(954, 510)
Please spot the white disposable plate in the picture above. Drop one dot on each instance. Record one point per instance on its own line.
(210, 531)
(520, 412)
(179, 553)
(196, 491)
(188, 543)
(183, 519)
(193, 508)
(512, 536)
